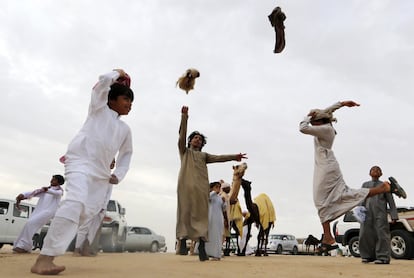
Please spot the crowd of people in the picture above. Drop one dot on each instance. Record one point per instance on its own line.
(202, 205)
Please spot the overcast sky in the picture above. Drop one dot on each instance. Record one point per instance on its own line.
(247, 99)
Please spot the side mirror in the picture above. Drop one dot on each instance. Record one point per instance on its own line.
(122, 211)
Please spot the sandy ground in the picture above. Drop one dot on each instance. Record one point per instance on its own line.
(171, 266)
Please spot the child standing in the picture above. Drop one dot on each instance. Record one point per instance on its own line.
(87, 165)
(216, 210)
(374, 235)
(49, 198)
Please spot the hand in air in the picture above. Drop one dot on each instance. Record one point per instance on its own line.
(349, 103)
(241, 156)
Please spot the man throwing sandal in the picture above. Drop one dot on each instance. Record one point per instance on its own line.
(331, 195)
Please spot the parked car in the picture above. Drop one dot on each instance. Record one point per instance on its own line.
(12, 220)
(346, 231)
(279, 243)
(144, 239)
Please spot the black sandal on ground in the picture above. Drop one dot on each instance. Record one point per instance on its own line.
(396, 188)
(325, 248)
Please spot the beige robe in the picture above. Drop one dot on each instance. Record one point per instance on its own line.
(193, 188)
(332, 197)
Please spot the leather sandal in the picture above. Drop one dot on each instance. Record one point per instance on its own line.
(396, 188)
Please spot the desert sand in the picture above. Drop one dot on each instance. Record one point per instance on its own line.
(170, 265)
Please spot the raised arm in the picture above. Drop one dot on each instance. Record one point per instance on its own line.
(339, 104)
(99, 97)
(183, 130)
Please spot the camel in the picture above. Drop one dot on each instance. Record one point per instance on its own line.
(238, 173)
(262, 213)
(236, 216)
(311, 240)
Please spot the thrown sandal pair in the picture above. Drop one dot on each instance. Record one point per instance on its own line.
(396, 188)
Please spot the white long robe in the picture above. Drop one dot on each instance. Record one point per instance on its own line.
(193, 188)
(45, 210)
(215, 225)
(87, 167)
(332, 197)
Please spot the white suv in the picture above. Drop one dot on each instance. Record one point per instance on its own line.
(279, 243)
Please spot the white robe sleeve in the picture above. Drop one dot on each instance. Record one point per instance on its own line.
(99, 97)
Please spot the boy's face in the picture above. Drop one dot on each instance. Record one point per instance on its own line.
(122, 105)
(54, 181)
(375, 172)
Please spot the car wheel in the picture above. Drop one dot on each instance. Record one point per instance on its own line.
(402, 245)
(279, 249)
(354, 246)
(295, 250)
(154, 247)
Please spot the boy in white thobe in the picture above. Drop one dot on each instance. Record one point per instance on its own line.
(87, 165)
(49, 198)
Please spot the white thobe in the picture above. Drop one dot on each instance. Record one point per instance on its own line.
(87, 166)
(45, 210)
(332, 197)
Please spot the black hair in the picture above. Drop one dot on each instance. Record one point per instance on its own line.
(214, 183)
(118, 89)
(194, 133)
(60, 179)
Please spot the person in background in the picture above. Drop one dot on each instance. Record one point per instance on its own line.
(216, 210)
(224, 193)
(49, 198)
(374, 234)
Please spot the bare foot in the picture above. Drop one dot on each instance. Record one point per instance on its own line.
(44, 266)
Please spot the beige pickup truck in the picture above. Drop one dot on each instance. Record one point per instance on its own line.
(346, 231)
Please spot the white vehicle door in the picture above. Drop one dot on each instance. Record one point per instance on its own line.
(286, 243)
(12, 222)
(5, 219)
(18, 220)
(145, 238)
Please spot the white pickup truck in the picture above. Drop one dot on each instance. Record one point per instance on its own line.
(12, 219)
(346, 231)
